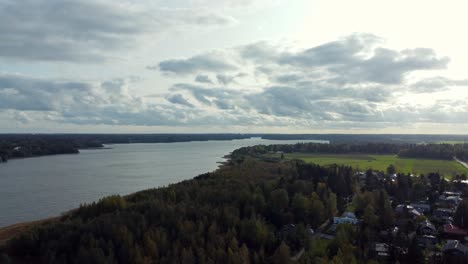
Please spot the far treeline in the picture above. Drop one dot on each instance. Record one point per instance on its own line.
(426, 151)
(31, 145)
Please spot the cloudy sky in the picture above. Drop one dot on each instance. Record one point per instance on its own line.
(283, 66)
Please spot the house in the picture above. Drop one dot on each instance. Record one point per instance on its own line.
(453, 201)
(361, 177)
(389, 234)
(426, 241)
(444, 214)
(382, 250)
(454, 252)
(346, 218)
(427, 228)
(459, 194)
(454, 232)
(449, 201)
(422, 207)
(407, 211)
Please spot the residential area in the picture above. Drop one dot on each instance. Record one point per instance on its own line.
(429, 218)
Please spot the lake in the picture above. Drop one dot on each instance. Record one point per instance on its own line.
(41, 187)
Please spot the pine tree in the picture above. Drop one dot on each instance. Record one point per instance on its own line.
(282, 254)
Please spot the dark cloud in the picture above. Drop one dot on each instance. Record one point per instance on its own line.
(85, 30)
(179, 99)
(203, 79)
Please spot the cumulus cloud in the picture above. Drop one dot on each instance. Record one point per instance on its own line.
(351, 82)
(436, 84)
(87, 30)
(209, 62)
(352, 60)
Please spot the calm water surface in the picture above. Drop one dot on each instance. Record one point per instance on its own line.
(41, 187)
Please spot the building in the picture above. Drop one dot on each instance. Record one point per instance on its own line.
(426, 241)
(454, 232)
(444, 214)
(407, 211)
(382, 250)
(422, 207)
(449, 201)
(459, 194)
(427, 228)
(346, 218)
(454, 252)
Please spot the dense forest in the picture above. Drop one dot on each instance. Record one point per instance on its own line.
(257, 212)
(430, 151)
(249, 211)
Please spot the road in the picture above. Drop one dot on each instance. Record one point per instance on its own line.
(461, 162)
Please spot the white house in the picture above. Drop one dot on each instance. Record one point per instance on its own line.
(346, 218)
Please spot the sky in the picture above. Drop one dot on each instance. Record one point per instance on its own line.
(233, 66)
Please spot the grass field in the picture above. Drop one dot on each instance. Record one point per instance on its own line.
(447, 168)
(451, 142)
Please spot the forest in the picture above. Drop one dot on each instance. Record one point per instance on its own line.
(249, 211)
(238, 214)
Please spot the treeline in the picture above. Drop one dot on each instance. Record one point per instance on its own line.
(29, 145)
(125, 138)
(431, 151)
(373, 148)
(37, 147)
(253, 212)
(369, 138)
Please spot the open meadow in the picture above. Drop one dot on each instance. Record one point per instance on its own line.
(447, 168)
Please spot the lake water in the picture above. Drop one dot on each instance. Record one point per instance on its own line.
(36, 188)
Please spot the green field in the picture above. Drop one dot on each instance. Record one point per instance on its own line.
(447, 168)
(451, 142)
